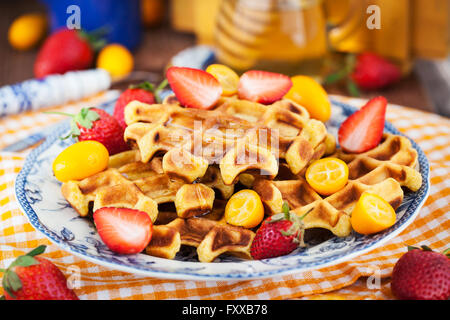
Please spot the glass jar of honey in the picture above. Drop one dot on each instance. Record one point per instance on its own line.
(287, 36)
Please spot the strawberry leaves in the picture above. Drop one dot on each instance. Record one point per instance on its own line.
(147, 86)
(11, 282)
(446, 252)
(85, 118)
(344, 75)
(296, 229)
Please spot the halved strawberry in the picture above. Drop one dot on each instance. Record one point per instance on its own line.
(125, 231)
(263, 86)
(194, 88)
(363, 130)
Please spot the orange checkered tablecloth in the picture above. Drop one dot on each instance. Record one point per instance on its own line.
(355, 279)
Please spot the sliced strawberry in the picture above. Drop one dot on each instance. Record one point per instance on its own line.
(125, 231)
(363, 130)
(263, 87)
(194, 88)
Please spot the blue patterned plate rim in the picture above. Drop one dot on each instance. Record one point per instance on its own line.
(192, 273)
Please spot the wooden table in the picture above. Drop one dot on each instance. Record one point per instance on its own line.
(157, 46)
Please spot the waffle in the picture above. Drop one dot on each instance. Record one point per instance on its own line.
(382, 171)
(129, 183)
(107, 189)
(240, 136)
(211, 238)
(393, 157)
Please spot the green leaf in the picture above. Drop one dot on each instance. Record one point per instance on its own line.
(410, 248)
(2, 270)
(2, 298)
(92, 115)
(307, 212)
(96, 38)
(353, 88)
(286, 211)
(350, 63)
(14, 280)
(285, 207)
(275, 218)
(74, 130)
(426, 248)
(447, 252)
(37, 251)
(334, 77)
(6, 286)
(143, 85)
(158, 90)
(24, 261)
(162, 85)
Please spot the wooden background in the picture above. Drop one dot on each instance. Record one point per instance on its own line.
(153, 54)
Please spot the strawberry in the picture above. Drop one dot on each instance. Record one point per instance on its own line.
(278, 235)
(144, 92)
(374, 72)
(363, 130)
(65, 50)
(422, 275)
(194, 88)
(125, 231)
(263, 87)
(35, 278)
(96, 124)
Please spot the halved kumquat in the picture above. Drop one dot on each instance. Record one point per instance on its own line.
(244, 209)
(327, 176)
(227, 78)
(310, 94)
(372, 214)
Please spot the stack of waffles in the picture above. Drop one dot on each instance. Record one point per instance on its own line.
(185, 164)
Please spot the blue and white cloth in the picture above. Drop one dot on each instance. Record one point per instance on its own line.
(52, 90)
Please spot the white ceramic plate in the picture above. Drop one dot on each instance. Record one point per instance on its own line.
(39, 195)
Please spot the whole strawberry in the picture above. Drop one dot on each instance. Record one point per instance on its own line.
(35, 278)
(278, 235)
(96, 124)
(144, 92)
(421, 274)
(65, 50)
(374, 72)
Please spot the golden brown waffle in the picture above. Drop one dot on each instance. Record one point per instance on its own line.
(332, 213)
(240, 136)
(211, 238)
(394, 157)
(382, 171)
(107, 189)
(129, 183)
